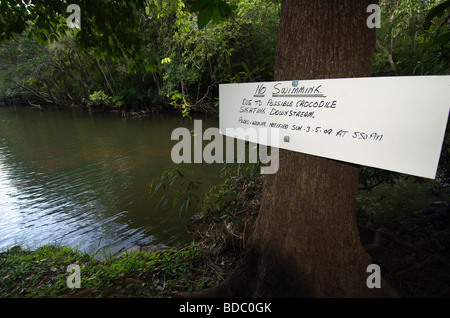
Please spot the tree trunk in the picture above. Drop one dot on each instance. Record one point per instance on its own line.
(306, 242)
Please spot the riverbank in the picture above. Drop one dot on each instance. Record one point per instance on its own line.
(412, 251)
(208, 109)
(45, 272)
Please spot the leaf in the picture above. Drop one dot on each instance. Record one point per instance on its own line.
(175, 201)
(204, 17)
(216, 15)
(165, 202)
(187, 203)
(245, 67)
(200, 5)
(166, 60)
(160, 200)
(225, 9)
(441, 39)
(158, 186)
(436, 11)
(173, 179)
(192, 194)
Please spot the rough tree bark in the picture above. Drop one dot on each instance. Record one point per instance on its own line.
(305, 242)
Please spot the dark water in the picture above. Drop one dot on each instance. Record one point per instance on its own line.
(83, 180)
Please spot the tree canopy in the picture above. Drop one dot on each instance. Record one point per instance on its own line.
(109, 27)
(173, 53)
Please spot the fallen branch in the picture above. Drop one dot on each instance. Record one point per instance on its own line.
(35, 105)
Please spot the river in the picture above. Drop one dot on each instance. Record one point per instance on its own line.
(82, 180)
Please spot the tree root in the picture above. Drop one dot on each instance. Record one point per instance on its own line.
(379, 235)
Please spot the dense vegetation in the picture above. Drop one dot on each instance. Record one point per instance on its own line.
(44, 273)
(173, 62)
(152, 55)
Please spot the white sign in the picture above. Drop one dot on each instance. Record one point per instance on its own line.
(392, 123)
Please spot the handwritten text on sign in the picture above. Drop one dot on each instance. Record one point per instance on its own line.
(393, 123)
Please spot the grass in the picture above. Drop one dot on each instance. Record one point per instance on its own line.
(43, 273)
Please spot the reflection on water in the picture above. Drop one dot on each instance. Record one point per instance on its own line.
(82, 180)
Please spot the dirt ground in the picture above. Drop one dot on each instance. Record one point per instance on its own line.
(413, 251)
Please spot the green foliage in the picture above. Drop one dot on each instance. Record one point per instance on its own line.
(437, 11)
(238, 193)
(139, 53)
(209, 10)
(175, 53)
(170, 263)
(179, 101)
(413, 38)
(109, 27)
(370, 178)
(99, 97)
(14, 18)
(39, 273)
(437, 27)
(178, 188)
(19, 59)
(234, 50)
(43, 272)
